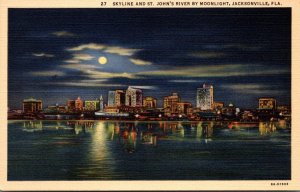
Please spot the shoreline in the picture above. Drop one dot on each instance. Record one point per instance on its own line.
(111, 120)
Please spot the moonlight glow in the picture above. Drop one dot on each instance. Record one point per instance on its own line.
(102, 60)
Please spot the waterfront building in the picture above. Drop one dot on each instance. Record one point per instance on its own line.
(268, 103)
(218, 105)
(170, 103)
(267, 108)
(32, 105)
(78, 104)
(119, 98)
(111, 99)
(134, 97)
(149, 102)
(101, 104)
(92, 105)
(247, 115)
(229, 112)
(71, 105)
(56, 109)
(183, 107)
(205, 97)
(111, 110)
(284, 111)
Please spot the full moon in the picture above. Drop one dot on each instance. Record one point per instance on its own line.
(102, 60)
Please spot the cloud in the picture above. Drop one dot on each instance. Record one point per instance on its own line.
(100, 74)
(42, 55)
(241, 46)
(184, 81)
(225, 70)
(251, 88)
(144, 87)
(207, 54)
(72, 61)
(85, 57)
(92, 71)
(120, 50)
(78, 57)
(105, 48)
(47, 73)
(140, 62)
(80, 67)
(63, 34)
(91, 46)
(84, 84)
(233, 46)
(241, 86)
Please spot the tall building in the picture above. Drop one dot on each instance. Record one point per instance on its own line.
(170, 102)
(218, 105)
(71, 105)
(101, 104)
(32, 105)
(149, 102)
(119, 98)
(267, 103)
(134, 97)
(92, 105)
(111, 99)
(78, 104)
(183, 107)
(205, 97)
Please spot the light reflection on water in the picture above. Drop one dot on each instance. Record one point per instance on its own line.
(85, 150)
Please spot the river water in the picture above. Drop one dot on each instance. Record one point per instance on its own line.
(108, 150)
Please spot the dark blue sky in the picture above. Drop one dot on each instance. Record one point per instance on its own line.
(244, 53)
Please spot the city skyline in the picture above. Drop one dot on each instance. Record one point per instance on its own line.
(59, 54)
(118, 98)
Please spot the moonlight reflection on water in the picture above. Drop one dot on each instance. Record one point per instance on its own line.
(99, 150)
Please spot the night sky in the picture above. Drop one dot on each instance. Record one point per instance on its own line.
(244, 53)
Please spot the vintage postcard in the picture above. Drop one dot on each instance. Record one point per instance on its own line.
(149, 95)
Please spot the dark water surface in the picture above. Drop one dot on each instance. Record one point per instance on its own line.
(99, 150)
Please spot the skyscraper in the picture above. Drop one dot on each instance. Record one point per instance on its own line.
(267, 103)
(71, 105)
(91, 105)
(170, 103)
(119, 98)
(149, 102)
(205, 97)
(111, 99)
(101, 104)
(183, 107)
(134, 97)
(78, 104)
(32, 105)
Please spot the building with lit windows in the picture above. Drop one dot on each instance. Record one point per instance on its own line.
(149, 102)
(134, 97)
(78, 104)
(218, 105)
(92, 105)
(119, 98)
(101, 104)
(170, 103)
(205, 97)
(267, 103)
(71, 105)
(183, 107)
(267, 108)
(111, 99)
(32, 105)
